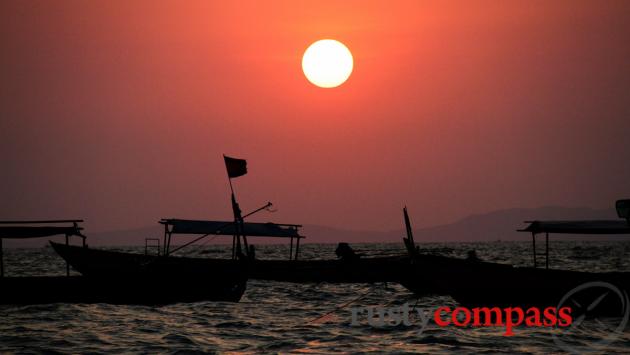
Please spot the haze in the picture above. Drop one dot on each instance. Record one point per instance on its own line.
(118, 112)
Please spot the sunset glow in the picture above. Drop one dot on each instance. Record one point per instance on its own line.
(454, 108)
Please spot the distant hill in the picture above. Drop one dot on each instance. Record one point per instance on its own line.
(492, 226)
(497, 225)
(502, 224)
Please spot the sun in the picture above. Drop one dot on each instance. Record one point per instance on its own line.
(327, 63)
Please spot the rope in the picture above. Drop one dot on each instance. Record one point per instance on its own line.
(209, 240)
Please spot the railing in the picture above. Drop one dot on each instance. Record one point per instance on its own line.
(147, 246)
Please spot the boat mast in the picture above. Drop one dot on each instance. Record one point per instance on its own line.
(239, 227)
(409, 242)
(236, 168)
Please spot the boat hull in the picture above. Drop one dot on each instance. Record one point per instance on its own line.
(141, 279)
(96, 262)
(470, 283)
(483, 284)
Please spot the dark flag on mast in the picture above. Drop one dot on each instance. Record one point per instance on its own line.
(235, 167)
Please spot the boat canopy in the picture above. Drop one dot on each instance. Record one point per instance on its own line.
(578, 227)
(186, 226)
(34, 229)
(38, 229)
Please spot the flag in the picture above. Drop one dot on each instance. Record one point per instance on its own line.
(235, 167)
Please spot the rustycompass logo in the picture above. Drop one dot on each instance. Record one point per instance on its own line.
(508, 318)
(598, 308)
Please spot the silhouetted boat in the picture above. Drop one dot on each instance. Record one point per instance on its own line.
(219, 274)
(98, 262)
(475, 283)
(173, 279)
(484, 284)
(157, 281)
(349, 268)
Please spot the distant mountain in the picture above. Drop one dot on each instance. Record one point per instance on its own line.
(496, 225)
(502, 224)
(321, 234)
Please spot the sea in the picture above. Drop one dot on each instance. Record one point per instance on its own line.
(277, 317)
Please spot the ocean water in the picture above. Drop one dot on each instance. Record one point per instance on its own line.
(276, 317)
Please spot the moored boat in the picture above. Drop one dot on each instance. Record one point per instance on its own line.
(349, 268)
(475, 283)
(156, 282)
(99, 262)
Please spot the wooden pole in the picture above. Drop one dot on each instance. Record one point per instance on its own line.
(164, 244)
(168, 248)
(297, 248)
(231, 188)
(291, 249)
(534, 245)
(233, 247)
(67, 264)
(547, 250)
(1, 259)
(408, 227)
(242, 224)
(238, 225)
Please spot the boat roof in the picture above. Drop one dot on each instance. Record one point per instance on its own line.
(187, 226)
(578, 227)
(38, 229)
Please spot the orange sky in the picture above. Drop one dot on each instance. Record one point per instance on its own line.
(119, 111)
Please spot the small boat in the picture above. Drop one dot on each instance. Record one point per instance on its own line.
(158, 281)
(475, 283)
(349, 268)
